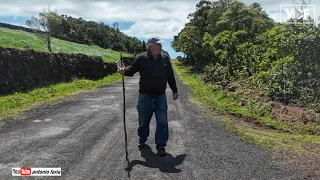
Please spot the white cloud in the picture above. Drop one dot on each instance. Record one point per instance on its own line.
(158, 17)
(163, 18)
(164, 29)
(150, 18)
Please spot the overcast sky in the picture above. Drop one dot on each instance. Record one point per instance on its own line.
(139, 18)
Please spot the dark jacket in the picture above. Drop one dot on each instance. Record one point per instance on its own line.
(154, 73)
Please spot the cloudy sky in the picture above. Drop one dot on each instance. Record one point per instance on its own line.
(138, 18)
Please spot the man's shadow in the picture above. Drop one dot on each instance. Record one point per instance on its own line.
(165, 164)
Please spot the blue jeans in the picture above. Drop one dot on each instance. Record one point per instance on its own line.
(147, 105)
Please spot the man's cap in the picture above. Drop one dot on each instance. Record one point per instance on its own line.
(154, 39)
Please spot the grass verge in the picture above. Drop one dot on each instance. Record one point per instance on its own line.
(16, 103)
(264, 131)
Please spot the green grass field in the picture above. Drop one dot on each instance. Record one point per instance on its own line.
(19, 102)
(18, 39)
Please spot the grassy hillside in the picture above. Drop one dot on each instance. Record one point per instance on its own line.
(19, 102)
(18, 39)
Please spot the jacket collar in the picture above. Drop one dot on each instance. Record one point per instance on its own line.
(150, 55)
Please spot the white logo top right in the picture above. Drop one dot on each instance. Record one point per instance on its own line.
(290, 14)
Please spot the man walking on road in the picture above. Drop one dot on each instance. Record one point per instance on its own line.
(155, 71)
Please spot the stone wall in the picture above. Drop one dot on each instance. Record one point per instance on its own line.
(22, 70)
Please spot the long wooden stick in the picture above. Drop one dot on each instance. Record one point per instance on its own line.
(124, 112)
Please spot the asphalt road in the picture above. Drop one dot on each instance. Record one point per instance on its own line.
(84, 136)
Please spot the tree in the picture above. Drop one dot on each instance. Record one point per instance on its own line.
(234, 42)
(143, 48)
(45, 25)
